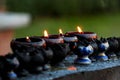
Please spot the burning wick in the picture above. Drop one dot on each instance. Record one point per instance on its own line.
(28, 39)
(60, 32)
(53, 38)
(46, 34)
(79, 29)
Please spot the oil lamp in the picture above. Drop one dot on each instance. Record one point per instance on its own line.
(71, 39)
(67, 37)
(83, 51)
(8, 64)
(51, 39)
(30, 53)
(28, 41)
(82, 35)
(118, 50)
(83, 48)
(113, 50)
(100, 47)
(103, 47)
(59, 48)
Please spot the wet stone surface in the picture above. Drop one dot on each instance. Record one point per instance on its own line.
(60, 72)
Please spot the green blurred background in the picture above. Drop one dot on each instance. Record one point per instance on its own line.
(100, 16)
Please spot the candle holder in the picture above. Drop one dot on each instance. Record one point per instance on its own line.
(8, 64)
(118, 50)
(71, 40)
(32, 54)
(83, 35)
(53, 39)
(113, 50)
(83, 51)
(59, 48)
(103, 46)
(84, 48)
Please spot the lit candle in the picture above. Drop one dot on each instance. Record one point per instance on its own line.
(82, 35)
(82, 50)
(52, 38)
(79, 29)
(31, 52)
(59, 48)
(60, 32)
(46, 34)
(69, 39)
(28, 39)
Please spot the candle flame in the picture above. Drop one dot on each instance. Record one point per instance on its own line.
(28, 39)
(79, 29)
(45, 33)
(60, 31)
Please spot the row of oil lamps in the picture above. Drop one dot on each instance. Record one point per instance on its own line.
(33, 54)
(70, 39)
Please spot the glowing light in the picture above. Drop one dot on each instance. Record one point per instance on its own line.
(60, 31)
(45, 33)
(79, 29)
(28, 39)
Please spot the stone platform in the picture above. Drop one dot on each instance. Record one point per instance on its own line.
(109, 70)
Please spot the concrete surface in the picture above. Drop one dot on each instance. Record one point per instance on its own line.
(109, 70)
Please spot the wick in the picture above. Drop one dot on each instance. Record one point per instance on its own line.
(60, 32)
(28, 39)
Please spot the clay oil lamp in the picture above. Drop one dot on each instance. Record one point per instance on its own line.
(59, 48)
(118, 50)
(83, 35)
(113, 50)
(83, 51)
(8, 64)
(28, 41)
(52, 39)
(70, 39)
(103, 46)
(100, 47)
(29, 54)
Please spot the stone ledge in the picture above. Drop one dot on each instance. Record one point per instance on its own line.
(109, 70)
(105, 74)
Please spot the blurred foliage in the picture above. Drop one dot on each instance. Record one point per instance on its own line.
(70, 12)
(105, 25)
(63, 7)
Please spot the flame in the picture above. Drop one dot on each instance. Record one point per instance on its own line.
(79, 29)
(28, 39)
(72, 68)
(60, 31)
(45, 33)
